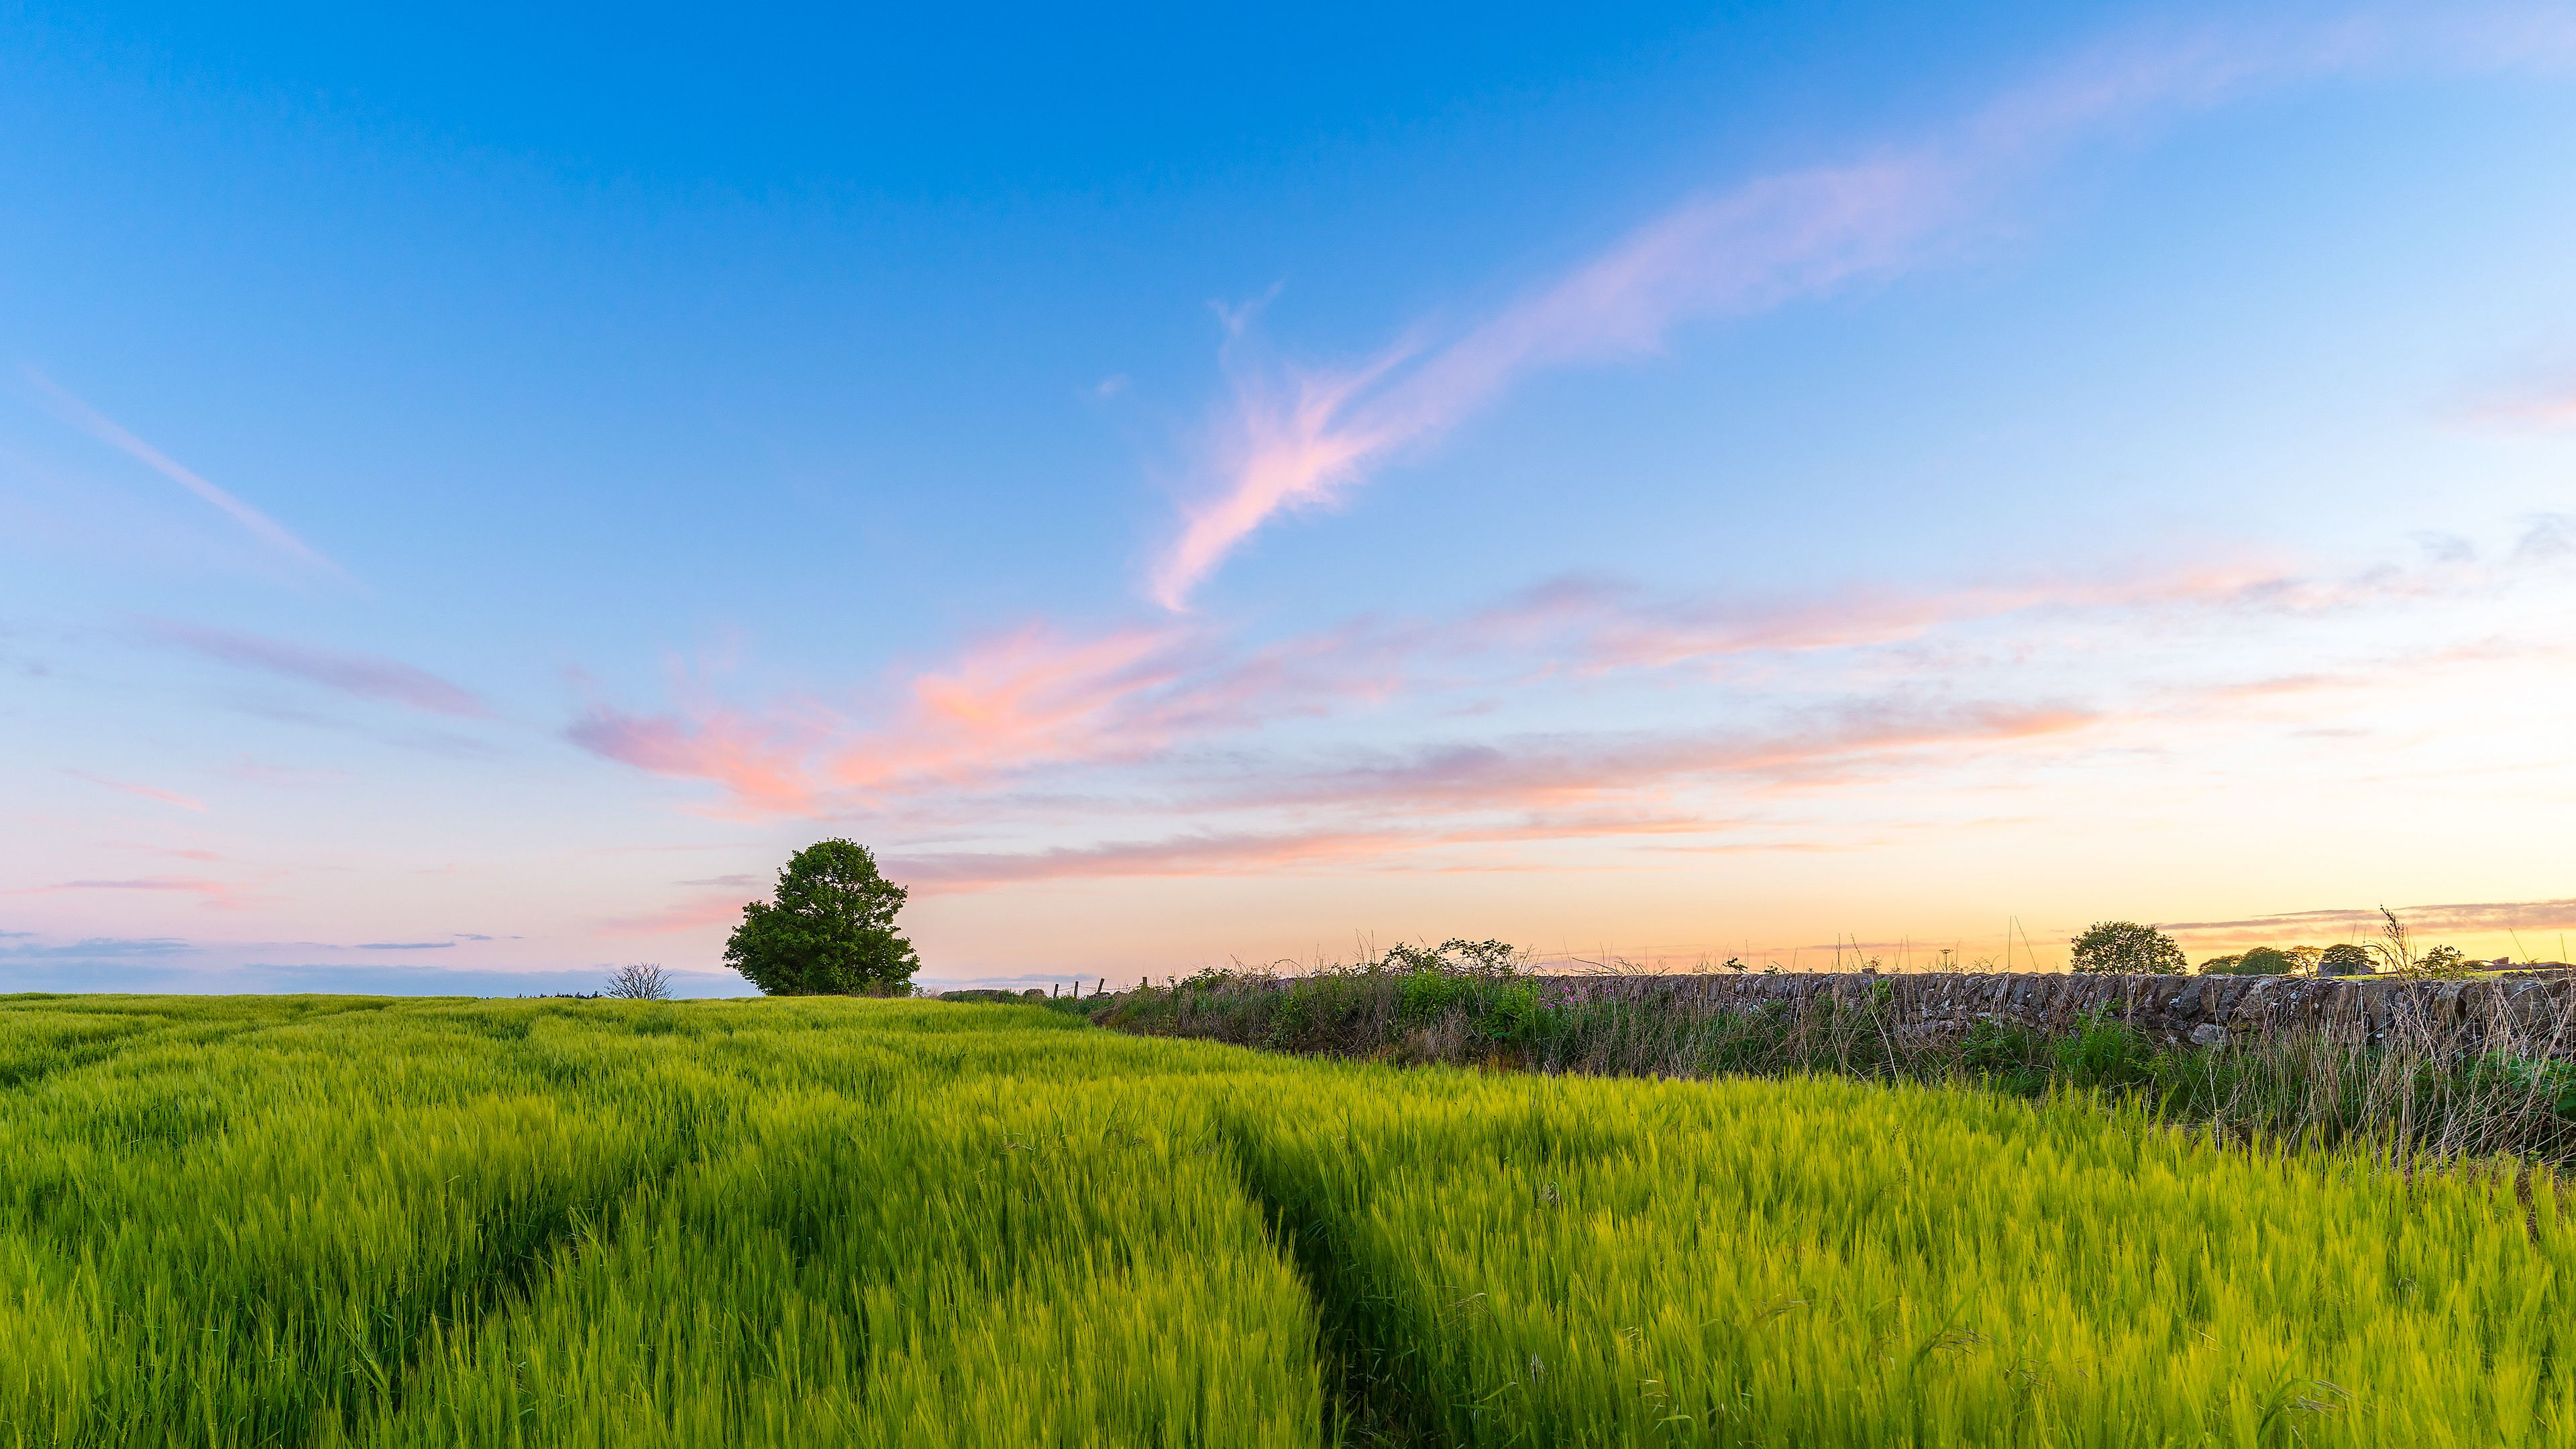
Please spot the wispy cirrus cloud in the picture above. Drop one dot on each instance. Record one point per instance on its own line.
(107, 430)
(1468, 798)
(1036, 699)
(121, 948)
(1592, 625)
(202, 857)
(1157, 753)
(1442, 801)
(362, 676)
(1596, 625)
(217, 893)
(2534, 410)
(1012, 702)
(694, 914)
(2480, 917)
(1250, 852)
(760, 762)
(147, 792)
(2556, 414)
(1596, 768)
(1291, 437)
(1026, 697)
(257, 772)
(1295, 438)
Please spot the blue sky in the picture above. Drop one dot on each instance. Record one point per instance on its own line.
(476, 490)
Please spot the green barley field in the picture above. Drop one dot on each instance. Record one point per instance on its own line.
(335, 1221)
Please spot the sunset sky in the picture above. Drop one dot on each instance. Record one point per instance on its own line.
(478, 488)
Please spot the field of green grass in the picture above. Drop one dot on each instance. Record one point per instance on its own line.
(327, 1221)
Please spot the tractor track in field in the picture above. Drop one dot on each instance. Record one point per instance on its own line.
(515, 1278)
(526, 1272)
(1370, 1404)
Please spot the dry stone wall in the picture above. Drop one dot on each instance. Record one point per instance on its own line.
(2528, 1015)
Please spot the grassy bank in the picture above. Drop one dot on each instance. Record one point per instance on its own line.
(2401, 1098)
(335, 1221)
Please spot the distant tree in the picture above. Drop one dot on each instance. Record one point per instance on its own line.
(2128, 949)
(2344, 959)
(2448, 961)
(829, 929)
(2261, 961)
(641, 982)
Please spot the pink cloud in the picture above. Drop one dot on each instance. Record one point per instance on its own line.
(1038, 698)
(2364, 676)
(257, 773)
(759, 763)
(1304, 438)
(2484, 917)
(1239, 853)
(2544, 413)
(1006, 705)
(166, 797)
(1558, 791)
(1594, 769)
(1025, 698)
(696, 914)
(98, 425)
(220, 894)
(1165, 701)
(1595, 626)
(1589, 626)
(361, 675)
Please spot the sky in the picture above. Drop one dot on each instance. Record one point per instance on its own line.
(479, 488)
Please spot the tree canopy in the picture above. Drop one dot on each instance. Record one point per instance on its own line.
(2445, 961)
(2260, 961)
(829, 929)
(2126, 948)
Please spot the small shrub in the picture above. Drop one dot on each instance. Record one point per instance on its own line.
(1292, 1018)
(2012, 1056)
(643, 981)
(1425, 994)
(1512, 1015)
(2104, 1053)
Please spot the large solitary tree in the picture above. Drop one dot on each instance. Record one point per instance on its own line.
(2127, 948)
(828, 931)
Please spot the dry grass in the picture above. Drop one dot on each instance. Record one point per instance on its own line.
(2425, 1083)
